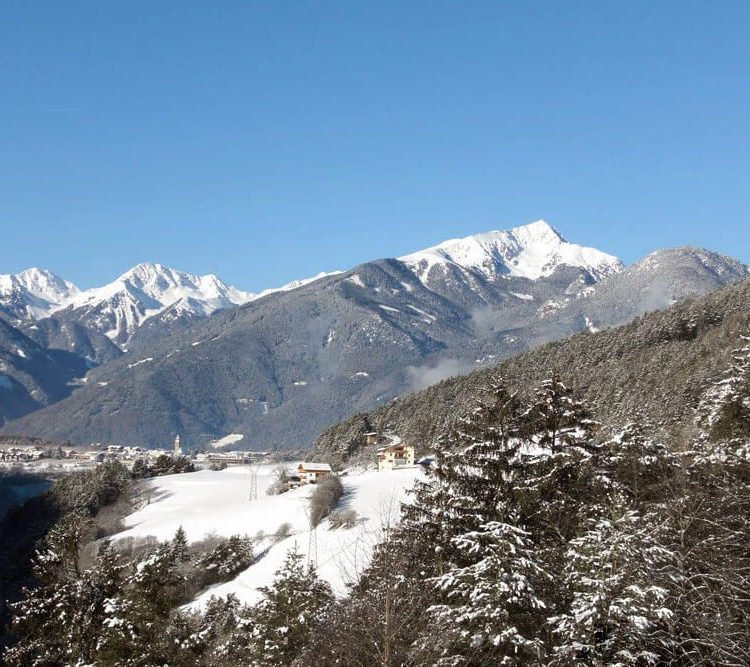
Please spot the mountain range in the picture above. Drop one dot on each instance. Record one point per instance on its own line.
(194, 356)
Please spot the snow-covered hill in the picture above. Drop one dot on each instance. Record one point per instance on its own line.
(217, 502)
(530, 251)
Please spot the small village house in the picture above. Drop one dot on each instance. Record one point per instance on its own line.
(310, 473)
(395, 455)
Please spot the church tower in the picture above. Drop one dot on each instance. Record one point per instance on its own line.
(177, 447)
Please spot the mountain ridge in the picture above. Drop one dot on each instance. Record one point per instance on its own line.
(282, 368)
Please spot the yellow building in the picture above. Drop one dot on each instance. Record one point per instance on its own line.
(395, 455)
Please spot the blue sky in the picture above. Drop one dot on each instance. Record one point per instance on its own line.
(267, 141)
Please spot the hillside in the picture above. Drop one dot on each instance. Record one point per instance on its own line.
(654, 370)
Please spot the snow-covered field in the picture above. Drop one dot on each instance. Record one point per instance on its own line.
(218, 502)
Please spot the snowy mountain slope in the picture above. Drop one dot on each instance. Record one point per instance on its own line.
(70, 336)
(661, 279)
(530, 251)
(217, 502)
(33, 293)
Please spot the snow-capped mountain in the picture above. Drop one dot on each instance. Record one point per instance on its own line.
(33, 293)
(148, 292)
(530, 251)
(120, 307)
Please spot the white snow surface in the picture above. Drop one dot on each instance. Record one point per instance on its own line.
(217, 502)
(227, 440)
(530, 251)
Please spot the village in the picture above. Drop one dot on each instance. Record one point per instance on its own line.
(14, 453)
(390, 454)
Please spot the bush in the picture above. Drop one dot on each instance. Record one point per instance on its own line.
(343, 519)
(228, 558)
(324, 498)
(283, 531)
(280, 484)
(163, 465)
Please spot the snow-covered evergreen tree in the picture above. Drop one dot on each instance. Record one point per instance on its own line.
(493, 612)
(137, 615)
(60, 622)
(617, 576)
(726, 409)
(556, 419)
(290, 609)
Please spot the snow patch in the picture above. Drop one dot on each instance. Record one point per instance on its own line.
(142, 361)
(590, 325)
(227, 440)
(356, 280)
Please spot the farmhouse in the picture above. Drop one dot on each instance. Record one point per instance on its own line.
(395, 455)
(310, 473)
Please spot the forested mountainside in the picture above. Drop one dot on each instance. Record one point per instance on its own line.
(281, 369)
(534, 539)
(654, 371)
(32, 376)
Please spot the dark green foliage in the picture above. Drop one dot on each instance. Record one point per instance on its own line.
(289, 611)
(654, 370)
(163, 465)
(227, 559)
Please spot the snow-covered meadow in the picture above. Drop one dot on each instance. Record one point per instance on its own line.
(219, 502)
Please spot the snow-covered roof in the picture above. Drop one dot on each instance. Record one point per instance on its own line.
(315, 467)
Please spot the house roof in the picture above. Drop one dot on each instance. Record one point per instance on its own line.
(315, 467)
(394, 445)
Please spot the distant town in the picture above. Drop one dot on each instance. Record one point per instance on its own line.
(15, 451)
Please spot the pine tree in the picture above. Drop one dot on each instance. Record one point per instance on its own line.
(60, 623)
(180, 546)
(288, 612)
(617, 575)
(493, 613)
(139, 613)
(556, 419)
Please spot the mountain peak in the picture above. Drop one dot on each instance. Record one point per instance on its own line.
(539, 230)
(34, 292)
(529, 251)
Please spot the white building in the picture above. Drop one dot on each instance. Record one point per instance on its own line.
(310, 473)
